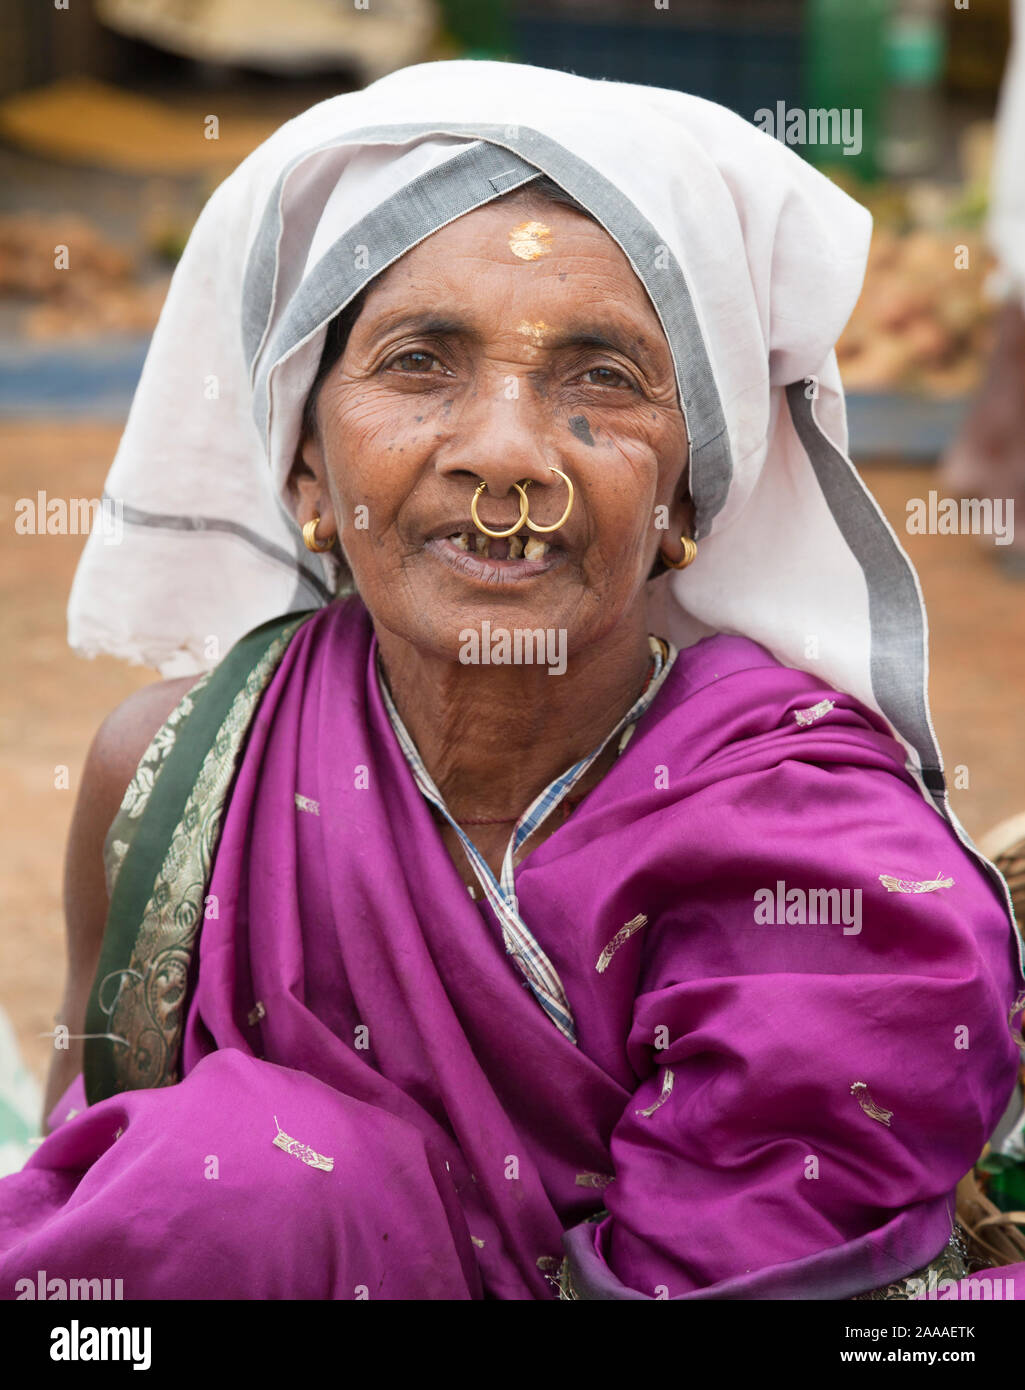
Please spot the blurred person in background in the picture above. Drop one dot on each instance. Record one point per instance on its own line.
(988, 457)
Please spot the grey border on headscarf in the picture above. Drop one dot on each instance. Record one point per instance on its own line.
(466, 181)
(166, 521)
(894, 611)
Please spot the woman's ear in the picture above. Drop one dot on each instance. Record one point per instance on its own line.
(683, 514)
(681, 519)
(307, 485)
(682, 511)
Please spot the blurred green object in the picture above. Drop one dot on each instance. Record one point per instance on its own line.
(916, 47)
(1006, 1186)
(481, 26)
(915, 51)
(20, 1103)
(845, 47)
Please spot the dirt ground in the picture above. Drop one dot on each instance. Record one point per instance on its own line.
(51, 701)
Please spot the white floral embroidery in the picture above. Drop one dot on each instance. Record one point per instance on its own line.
(303, 1152)
(860, 1091)
(624, 934)
(138, 791)
(600, 1180)
(163, 739)
(667, 1090)
(907, 885)
(137, 794)
(808, 716)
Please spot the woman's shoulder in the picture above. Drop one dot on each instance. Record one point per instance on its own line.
(120, 745)
(718, 655)
(727, 690)
(129, 729)
(128, 733)
(744, 670)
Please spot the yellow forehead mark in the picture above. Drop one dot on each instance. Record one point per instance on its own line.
(535, 331)
(528, 240)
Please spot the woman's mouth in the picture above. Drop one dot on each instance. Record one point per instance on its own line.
(509, 548)
(505, 561)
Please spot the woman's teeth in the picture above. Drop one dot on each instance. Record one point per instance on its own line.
(510, 548)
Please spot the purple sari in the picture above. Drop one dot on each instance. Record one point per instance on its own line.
(754, 1109)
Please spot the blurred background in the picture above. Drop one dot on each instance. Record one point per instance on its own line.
(106, 140)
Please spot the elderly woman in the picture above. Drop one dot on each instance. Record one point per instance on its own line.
(552, 890)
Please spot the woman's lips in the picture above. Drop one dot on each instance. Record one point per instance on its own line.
(493, 567)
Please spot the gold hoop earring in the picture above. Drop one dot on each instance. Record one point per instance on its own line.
(499, 535)
(310, 536)
(542, 530)
(690, 551)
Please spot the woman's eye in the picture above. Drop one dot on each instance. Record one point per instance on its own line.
(607, 376)
(415, 361)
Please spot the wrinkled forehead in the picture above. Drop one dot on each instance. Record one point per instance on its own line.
(518, 261)
(339, 217)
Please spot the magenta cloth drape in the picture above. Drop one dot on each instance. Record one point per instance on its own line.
(350, 994)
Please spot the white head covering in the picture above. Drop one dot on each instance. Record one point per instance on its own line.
(752, 259)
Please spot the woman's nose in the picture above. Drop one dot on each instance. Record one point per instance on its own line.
(500, 436)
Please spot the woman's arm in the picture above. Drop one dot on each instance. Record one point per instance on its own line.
(119, 744)
(819, 1072)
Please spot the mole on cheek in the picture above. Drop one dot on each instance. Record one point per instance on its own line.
(579, 426)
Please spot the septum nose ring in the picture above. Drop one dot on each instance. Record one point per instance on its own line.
(500, 535)
(524, 515)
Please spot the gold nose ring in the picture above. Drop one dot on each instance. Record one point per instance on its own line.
(500, 535)
(569, 507)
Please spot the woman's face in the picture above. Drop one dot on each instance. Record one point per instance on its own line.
(514, 340)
